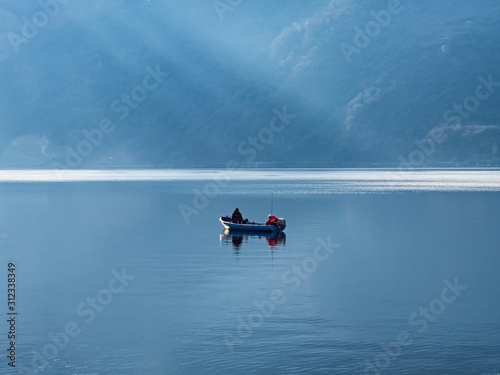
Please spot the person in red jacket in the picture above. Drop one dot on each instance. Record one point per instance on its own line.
(272, 220)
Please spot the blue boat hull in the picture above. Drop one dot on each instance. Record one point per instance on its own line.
(251, 227)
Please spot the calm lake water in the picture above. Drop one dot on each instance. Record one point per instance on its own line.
(380, 272)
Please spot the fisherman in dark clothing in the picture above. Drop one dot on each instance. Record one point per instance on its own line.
(237, 217)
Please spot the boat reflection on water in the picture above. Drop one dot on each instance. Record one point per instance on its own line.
(237, 238)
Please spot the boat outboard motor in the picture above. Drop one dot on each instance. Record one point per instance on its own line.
(281, 224)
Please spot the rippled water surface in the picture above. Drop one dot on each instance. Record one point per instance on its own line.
(130, 272)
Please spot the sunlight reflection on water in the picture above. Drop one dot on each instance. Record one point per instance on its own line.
(316, 180)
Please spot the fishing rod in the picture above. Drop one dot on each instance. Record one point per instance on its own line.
(272, 201)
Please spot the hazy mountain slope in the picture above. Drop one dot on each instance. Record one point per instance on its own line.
(218, 81)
